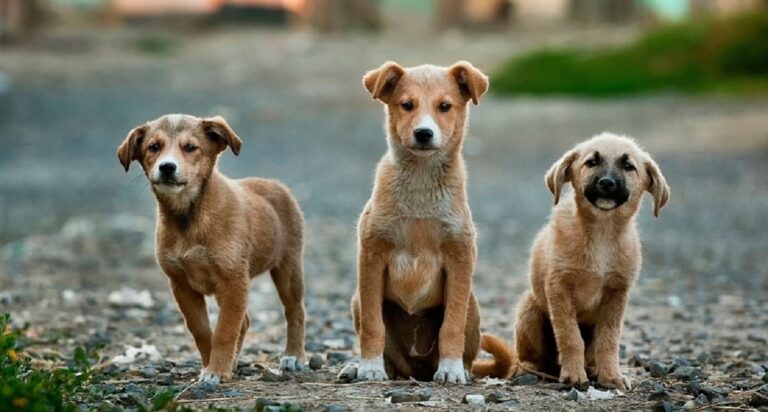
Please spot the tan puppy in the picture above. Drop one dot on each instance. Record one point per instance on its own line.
(215, 234)
(584, 262)
(414, 309)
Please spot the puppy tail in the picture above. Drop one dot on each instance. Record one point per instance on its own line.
(503, 358)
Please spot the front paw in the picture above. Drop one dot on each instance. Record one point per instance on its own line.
(372, 369)
(614, 381)
(576, 377)
(451, 371)
(214, 378)
(291, 364)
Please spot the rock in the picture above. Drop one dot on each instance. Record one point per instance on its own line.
(555, 386)
(497, 396)
(404, 395)
(662, 406)
(638, 360)
(573, 395)
(474, 400)
(348, 373)
(248, 371)
(527, 379)
(658, 395)
(657, 369)
(685, 373)
(316, 362)
(702, 399)
(148, 372)
(335, 358)
(334, 408)
(704, 358)
(269, 376)
(712, 392)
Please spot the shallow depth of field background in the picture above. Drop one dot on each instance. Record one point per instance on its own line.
(688, 79)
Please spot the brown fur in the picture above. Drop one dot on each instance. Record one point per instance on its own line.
(215, 234)
(414, 303)
(583, 264)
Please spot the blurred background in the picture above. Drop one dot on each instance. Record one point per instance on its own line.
(687, 78)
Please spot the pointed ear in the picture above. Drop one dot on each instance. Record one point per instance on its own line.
(217, 129)
(472, 82)
(657, 186)
(381, 82)
(559, 173)
(130, 149)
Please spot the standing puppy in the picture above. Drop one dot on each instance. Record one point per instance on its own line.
(414, 310)
(215, 234)
(585, 260)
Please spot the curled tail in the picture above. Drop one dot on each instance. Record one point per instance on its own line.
(503, 358)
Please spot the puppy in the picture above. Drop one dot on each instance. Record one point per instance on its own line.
(584, 262)
(215, 234)
(414, 310)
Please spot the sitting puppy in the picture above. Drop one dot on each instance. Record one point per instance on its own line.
(414, 310)
(215, 234)
(584, 262)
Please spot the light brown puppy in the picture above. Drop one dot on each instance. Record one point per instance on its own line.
(584, 262)
(215, 234)
(414, 310)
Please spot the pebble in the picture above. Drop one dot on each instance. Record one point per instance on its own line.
(269, 376)
(404, 395)
(657, 369)
(572, 395)
(148, 372)
(527, 379)
(334, 408)
(497, 396)
(348, 373)
(685, 373)
(316, 362)
(638, 360)
(662, 406)
(474, 399)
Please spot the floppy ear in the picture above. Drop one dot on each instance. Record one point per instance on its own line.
(217, 129)
(381, 82)
(657, 186)
(559, 173)
(472, 82)
(129, 150)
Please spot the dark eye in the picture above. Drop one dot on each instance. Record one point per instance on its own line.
(189, 148)
(591, 162)
(407, 105)
(444, 107)
(154, 147)
(629, 167)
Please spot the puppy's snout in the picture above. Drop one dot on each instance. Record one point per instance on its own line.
(167, 168)
(606, 184)
(423, 135)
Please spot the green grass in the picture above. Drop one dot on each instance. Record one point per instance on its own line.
(728, 56)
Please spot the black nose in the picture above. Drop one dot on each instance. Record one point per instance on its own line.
(606, 184)
(423, 135)
(167, 168)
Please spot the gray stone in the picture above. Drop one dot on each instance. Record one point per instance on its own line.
(316, 362)
(474, 400)
(657, 369)
(527, 379)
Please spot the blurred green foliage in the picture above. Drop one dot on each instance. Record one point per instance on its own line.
(729, 55)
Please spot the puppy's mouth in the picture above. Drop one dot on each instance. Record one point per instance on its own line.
(423, 150)
(174, 184)
(606, 201)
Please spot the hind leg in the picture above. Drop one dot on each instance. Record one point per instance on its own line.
(241, 339)
(289, 281)
(471, 334)
(530, 340)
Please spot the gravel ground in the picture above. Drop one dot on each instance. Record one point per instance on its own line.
(76, 232)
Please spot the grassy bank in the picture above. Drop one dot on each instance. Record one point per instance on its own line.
(729, 55)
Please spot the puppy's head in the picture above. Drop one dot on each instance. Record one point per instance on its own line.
(178, 152)
(609, 173)
(426, 105)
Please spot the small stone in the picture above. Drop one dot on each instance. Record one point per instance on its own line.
(316, 362)
(334, 408)
(335, 358)
(403, 395)
(262, 404)
(658, 395)
(554, 386)
(248, 371)
(657, 369)
(573, 395)
(662, 406)
(497, 396)
(685, 373)
(207, 387)
(269, 376)
(702, 398)
(638, 360)
(348, 373)
(527, 379)
(704, 358)
(148, 372)
(474, 400)
(712, 392)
